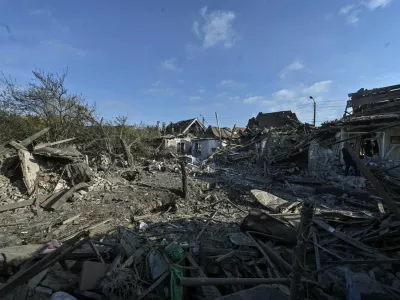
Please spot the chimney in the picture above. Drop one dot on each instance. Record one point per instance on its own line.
(158, 125)
(172, 128)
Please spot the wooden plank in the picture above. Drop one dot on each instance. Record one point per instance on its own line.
(69, 220)
(52, 143)
(210, 292)
(49, 260)
(58, 202)
(138, 253)
(20, 204)
(16, 205)
(153, 286)
(30, 169)
(344, 237)
(17, 145)
(376, 184)
(330, 252)
(29, 140)
(50, 199)
(99, 257)
(317, 256)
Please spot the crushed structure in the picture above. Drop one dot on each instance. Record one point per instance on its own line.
(261, 212)
(191, 137)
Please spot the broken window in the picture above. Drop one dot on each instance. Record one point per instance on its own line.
(181, 147)
(197, 148)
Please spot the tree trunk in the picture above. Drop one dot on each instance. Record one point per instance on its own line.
(127, 151)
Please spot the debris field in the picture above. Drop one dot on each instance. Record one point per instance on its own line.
(269, 214)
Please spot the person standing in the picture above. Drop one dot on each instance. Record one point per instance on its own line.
(348, 160)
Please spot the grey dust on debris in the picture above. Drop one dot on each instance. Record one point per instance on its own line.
(279, 209)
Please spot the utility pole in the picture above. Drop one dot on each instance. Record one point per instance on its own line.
(219, 131)
(315, 108)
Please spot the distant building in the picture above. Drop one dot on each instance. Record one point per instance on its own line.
(191, 137)
(366, 111)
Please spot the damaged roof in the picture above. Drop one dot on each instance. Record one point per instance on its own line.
(384, 100)
(183, 127)
(274, 119)
(226, 133)
(373, 120)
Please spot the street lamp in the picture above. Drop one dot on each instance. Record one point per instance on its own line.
(315, 108)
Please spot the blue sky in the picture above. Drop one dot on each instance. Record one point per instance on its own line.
(174, 60)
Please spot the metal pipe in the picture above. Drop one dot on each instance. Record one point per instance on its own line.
(203, 281)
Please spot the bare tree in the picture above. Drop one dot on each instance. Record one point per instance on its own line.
(48, 98)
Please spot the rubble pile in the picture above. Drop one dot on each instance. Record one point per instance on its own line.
(271, 217)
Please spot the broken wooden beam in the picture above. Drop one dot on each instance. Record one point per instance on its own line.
(377, 185)
(57, 202)
(70, 220)
(204, 281)
(210, 292)
(42, 145)
(94, 248)
(348, 239)
(131, 259)
(184, 180)
(205, 226)
(266, 257)
(363, 262)
(153, 286)
(17, 146)
(30, 169)
(276, 257)
(26, 142)
(49, 260)
(296, 287)
(316, 253)
(90, 229)
(15, 205)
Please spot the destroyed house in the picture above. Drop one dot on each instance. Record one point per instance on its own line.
(210, 141)
(179, 135)
(277, 136)
(368, 111)
(274, 120)
(226, 133)
(204, 147)
(185, 127)
(190, 137)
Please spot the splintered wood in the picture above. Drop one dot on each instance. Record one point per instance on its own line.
(30, 169)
